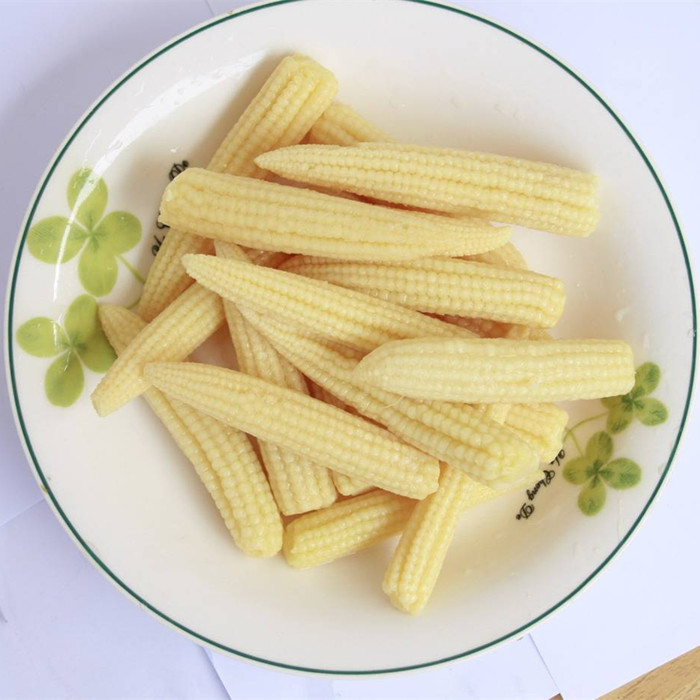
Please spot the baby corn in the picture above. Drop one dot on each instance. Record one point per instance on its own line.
(538, 195)
(345, 528)
(167, 278)
(222, 457)
(322, 433)
(294, 97)
(342, 126)
(500, 371)
(298, 484)
(463, 436)
(344, 315)
(346, 485)
(172, 335)
(417, 561)
(271, 216)
(447, 286)
(540, 425)
(289, 103)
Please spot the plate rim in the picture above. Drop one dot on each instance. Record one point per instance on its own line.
(53, 502)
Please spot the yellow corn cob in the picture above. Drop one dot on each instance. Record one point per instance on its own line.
(293, 98)
(222, 457)
(342, 126)
(302, 424)
(298, 484)
(345, 528)
(346, 485)
(538, 195)
(167, 278)
(505, 256)
(172, 335)
(500, 371)
(270, 216)
(296, 94)
(344, 315)
(415, 566)
(540, 425)
(458, 434)
(447, 286)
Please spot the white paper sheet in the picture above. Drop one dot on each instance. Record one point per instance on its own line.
(65, 632)
(513, 670)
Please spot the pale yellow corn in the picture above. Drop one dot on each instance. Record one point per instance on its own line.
(340, 314)
(270, 216)
(540, 425)
(172, 335)
(538, 195)
(465, 437)
(296, 94)
(345, 528)
(410, 579)
(167, 278)
(447, 286)
(298, 484)
(505, 256)
(342, 126)
(222, 457)
(347, 486)
(311, 428)
(289, 103)
(486, 370)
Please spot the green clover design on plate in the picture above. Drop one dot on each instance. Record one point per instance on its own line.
(593, 468)
(637, 404)
(80, 341)
(100, 239)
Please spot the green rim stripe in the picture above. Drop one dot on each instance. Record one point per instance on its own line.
(95, 558)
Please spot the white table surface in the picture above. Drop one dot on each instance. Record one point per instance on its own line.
(66, 632)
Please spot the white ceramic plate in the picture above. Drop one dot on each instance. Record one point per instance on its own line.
(425, 73)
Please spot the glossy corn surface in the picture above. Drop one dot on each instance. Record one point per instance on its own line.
(222, 457)
(447, 286)
(178, 330)
(271, 216)
(340, 314)
(302, 424)
(537, 195)
(500, 371)
(345, 528)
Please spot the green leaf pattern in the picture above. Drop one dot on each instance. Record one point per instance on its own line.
(99, 239)
(594, 469)
(622, 410)
(79, 341)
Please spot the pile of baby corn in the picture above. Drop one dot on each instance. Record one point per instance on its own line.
(394, 366)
